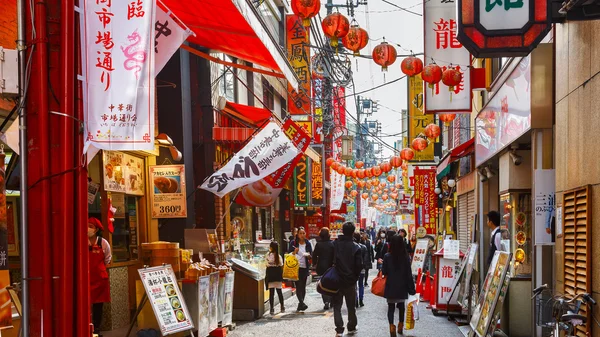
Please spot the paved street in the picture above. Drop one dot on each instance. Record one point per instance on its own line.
(372, 320)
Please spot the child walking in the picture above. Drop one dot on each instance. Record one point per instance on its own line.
(274, 276)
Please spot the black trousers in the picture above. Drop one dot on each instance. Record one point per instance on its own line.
(392, 308)
(301, 284)
(272, 296)
(349, 294)
(97, 315)
(366, 276)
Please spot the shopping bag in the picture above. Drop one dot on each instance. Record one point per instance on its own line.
(329, 283)
(291, 267)
(378, 285)
(411, 312)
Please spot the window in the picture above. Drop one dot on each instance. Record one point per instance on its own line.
(268, 95)
(577, 246)
(124, 238)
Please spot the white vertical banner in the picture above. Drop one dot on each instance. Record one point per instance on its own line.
(544, 205)
(119, 60)
(169, 34)
(442, 47)
(337, 190)
(364, 208)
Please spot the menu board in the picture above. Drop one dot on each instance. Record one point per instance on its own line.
(419, 256)
(488, 297)
(463, 295)
(168, 195)
(165, 297)
(123, 173)
(228, 313)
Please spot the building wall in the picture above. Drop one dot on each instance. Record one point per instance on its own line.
(8, 37)
(577, 99)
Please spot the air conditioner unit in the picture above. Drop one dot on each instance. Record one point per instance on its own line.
(9, 72)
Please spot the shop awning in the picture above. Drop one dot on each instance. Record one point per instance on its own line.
(231, 134)
(232, 27)
(458, 152)
(247, 114)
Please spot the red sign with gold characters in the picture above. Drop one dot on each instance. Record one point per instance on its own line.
(503, 28)
(299, 57)
(425, 200)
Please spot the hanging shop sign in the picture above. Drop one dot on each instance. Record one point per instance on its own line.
(168, 197)
(544, 205)
(502, 28)
(307, 126)
(170, 33)
(301, 186)
(317, 185)
(123, 173)
(426, 199)
(298, 50)
(269, 150)
(442, 47)
(337, 190)
(418, 121)
(507, 116)
(166, 300)
(120, 87)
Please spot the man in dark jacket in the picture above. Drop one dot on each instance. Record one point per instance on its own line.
(348, 264)
(368, 264)
(322, 257)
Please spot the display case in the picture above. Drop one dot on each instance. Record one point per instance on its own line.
(515, 209)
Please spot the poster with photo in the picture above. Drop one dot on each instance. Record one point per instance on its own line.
(203, 305)
(228, 313)
(168, 197)
(114, 179)
(213, 296)
(134, 175)
(166, 300)
(419, 256)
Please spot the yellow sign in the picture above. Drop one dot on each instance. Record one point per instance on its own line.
(417, 119)
(307, 126)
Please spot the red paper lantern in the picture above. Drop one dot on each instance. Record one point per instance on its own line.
(365, 196)
(419, 144)
(404, 168)
(335, 26)
(347, 171)
(356, 39)
(377, 171)
(341, 169)
(361, 183)
(384, 197)
(354, 193)
(384, 55)
(361, 174)
(359, 164)
(451, 77)
(432, 74)
(369, 172)
(375, 197)
(386, 167)
(306, 9)
(391, 178)
(349, 184)
(335, 165)
(385, 190)
(394, 195)
(353, 173)
(329, 161)
(396, 161)
(432, 131)
(447, 118)
(375, 182)
(407, 154)
(411, 66)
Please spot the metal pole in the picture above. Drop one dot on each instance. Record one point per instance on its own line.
(24, 183)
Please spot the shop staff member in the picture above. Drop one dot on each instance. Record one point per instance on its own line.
(494, 224)
(100, 256)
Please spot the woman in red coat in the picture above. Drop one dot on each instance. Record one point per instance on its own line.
(100, 256)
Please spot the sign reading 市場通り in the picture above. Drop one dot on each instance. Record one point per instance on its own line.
(502, 28)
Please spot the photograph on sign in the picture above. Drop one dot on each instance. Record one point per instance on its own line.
(168, 196)
(203, 305)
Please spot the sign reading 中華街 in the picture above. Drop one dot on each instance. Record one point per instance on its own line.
(165, 298)
(119, 74)
(265, 153)
(298, 50)
(442, 47)
(168, 195)
(170, 33)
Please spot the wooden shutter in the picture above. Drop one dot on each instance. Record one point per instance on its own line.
(577, 229)
(471, 215)
(466, 211)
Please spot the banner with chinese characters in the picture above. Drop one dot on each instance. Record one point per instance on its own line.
(316, 180)
(301, 186)
(442, 47)
(168, 197)
(166, 300)
(337, 190)
(123, 173)
(417, 120)
(269, 150)
(170, 33)
(264, 192)
(544, 205)
(298, 50)
(425, 199)
(119, 76)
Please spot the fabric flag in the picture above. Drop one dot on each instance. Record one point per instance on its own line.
(170, 33)
(264, 192)
(268, 151)
(119, 74)
(337, 190)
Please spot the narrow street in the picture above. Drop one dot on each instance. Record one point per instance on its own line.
(372, 320)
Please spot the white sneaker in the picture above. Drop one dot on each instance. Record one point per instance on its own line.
(339, 334)
(353, 332)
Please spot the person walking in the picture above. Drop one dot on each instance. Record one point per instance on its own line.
(399, 281)
(348, 263)
(322, 258)
(380, 247)
(274, 276)
(404, 236)
(371, 256)
(302, 248)
(361, 278)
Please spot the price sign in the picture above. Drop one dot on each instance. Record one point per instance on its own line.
(168, 192)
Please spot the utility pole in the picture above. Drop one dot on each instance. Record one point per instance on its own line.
(328, 115)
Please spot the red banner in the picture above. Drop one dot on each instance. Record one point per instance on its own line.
(425, 200)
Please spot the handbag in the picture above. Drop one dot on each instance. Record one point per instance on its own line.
(291, 267)
(378, 285)
(329, 283)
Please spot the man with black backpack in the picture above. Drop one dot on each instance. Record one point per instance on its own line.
(348, 264)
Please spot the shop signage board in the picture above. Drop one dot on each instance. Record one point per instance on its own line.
(507, 116)
(123, 173)
(301, 186)
(119, 40)
(442, 47)
(213, 295)
(203, 305)
(298, 50)
(502, 28)
(419, 256)
(451, 249)
(339, 120)
(337, 190)
(449, 270)
(228, 311)
(166, 300)
(170, 33)
(544, 205)
(317, 190)
(417, 119)
(469, 261)
(426, 199)
(168, 196)
(269, 150)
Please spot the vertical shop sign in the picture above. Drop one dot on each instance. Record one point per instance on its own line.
(203, 305)
(316, 181)
(228, 311)
(425, 199)
(448, 268)
(339, 119)
(301, 186)
(168, 197)
(544, 207)
(213, 298)
(337, 190)
(169, 34)
(119, 74)
(298, 50)
(441, 46)
(417, 119)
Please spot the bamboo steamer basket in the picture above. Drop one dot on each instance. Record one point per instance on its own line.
(159, 253)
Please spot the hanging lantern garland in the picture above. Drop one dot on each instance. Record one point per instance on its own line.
(384, 55)
(432, 131)
(335, 26)
(356, 39)
(451, 77)
(306, 9)
(407, 154)
(419, 144)
(447, 118)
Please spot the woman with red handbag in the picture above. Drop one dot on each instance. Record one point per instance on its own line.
(399, 282)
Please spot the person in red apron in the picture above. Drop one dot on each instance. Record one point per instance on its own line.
(100, 256)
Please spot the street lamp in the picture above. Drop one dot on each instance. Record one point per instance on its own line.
(347, 142)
